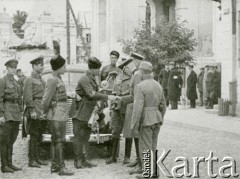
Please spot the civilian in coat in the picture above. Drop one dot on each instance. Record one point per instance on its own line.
(174, 84)
(207, 68)
(191, 87)
(200, 86)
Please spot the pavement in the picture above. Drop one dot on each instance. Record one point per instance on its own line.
(203, 118)
(186, 132)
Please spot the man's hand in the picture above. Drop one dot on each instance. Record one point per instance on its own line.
(2, 121)
(34, 115)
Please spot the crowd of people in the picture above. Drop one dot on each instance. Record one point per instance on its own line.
(137, 110)
(207, 82)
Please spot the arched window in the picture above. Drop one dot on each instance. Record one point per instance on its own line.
(150, 14)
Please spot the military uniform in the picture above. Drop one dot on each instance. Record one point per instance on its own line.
(33, 93)
(135, 79)
(120, 88)
(55, 107)
(10, 109)
(191, 88)
(108, 69)
(87, 89)
(148, 111)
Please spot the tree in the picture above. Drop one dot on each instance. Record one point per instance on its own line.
(169, 41)
(19, 19)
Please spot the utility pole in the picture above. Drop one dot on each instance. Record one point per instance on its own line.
(68, 31)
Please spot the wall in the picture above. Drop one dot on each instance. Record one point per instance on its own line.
(113, 20)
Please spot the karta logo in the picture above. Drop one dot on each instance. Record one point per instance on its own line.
(152, 165)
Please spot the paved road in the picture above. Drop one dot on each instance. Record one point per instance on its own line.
(187, 133)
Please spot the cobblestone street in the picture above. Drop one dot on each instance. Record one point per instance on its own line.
(185, 132)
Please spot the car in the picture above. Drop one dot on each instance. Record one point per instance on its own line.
(101, 130)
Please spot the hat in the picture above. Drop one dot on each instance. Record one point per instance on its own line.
(207, 66)
(146, 66)
(11, 63)
(57, 62)
(94, 63)
(171, 63)
(137, 56)
(37, 61)
(124, 63)
(115, 53)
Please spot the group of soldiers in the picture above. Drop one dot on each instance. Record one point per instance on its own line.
(137, 110)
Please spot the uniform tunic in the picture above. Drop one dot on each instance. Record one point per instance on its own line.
(55, 99)
(128, 100)
(87, 89)
(10, 99)
(148, 101)
(121, 87)
(33, 93)
(106, 70)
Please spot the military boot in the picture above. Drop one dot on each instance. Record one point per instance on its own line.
(128, 148)
(86, 163)
(10, 150)
(113, 158)
(134, 163)
(33, 164)
(54, 166)
(63, 171)
(6, 169)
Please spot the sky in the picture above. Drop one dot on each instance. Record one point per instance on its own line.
(25, 5)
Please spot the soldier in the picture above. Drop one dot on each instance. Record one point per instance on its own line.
(135, 79)
(114, 56)
(87, 89)
(191, 87)
(10, 112)
(21, 78)
(55, 108)
(121, 88)
(200, 86)
(163, 80)
(174, 85)
(33, 90)
(148, 111)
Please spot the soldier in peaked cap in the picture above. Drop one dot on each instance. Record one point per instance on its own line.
(114, 56)
(55, 108)
(87, 88)
(10, 115)
(148, 112)
(33, 91)
(120, 88)
(128, 100)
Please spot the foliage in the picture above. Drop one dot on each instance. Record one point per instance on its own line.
(168, 41)
(19, 19)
